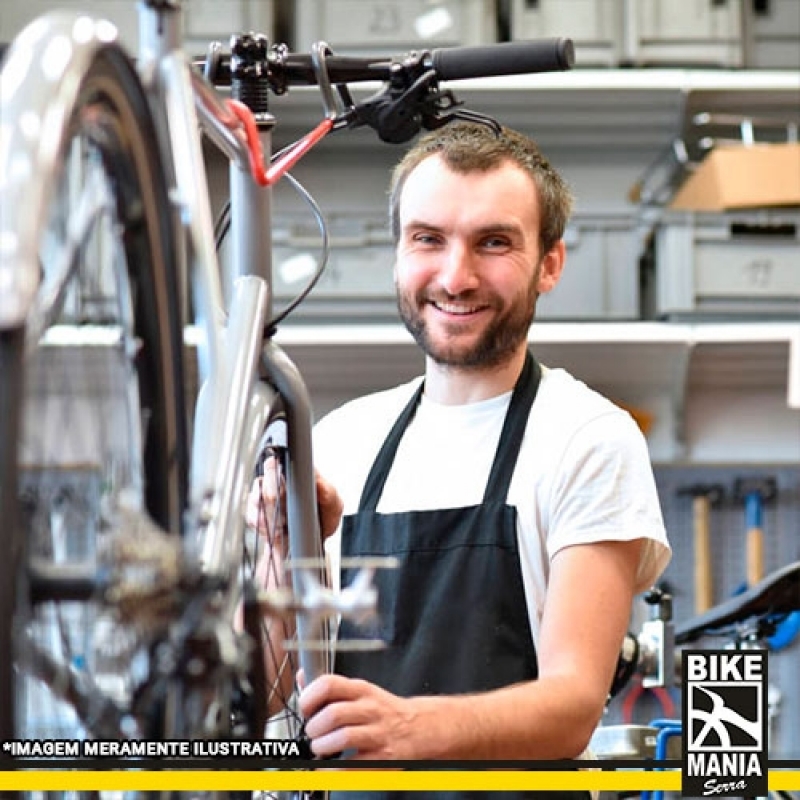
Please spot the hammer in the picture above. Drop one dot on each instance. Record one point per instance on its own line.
(755, 492)
(704, 496)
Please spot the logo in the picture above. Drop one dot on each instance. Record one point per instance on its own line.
(725, 723)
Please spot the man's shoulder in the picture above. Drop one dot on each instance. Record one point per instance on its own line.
(347, 439)
(381, 406)
(581, 411)
(564, 391)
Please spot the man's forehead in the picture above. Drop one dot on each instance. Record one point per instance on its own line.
(432, 184)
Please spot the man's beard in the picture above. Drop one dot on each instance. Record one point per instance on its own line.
(496, 345)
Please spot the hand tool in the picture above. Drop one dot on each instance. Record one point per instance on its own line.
(704, 497)
(638, 693)
(755, 492)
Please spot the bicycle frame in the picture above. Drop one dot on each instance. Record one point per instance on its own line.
(233, 404)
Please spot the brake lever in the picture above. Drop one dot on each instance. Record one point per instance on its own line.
(398, 116)
(437, 120)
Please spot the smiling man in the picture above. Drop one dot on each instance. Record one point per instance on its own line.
(520, 504)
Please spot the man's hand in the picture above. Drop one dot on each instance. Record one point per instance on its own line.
(266, 514)
(330, 506)
(348, 714)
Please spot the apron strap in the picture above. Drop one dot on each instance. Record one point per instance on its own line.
(519, 409)
(373, 488)
(505, 459)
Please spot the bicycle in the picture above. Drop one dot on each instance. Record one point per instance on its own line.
(134, 600)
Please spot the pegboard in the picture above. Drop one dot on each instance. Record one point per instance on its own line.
(781, 527)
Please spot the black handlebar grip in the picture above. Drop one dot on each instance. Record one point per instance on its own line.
(505, 58)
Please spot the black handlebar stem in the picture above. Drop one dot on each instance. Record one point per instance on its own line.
(249, 70)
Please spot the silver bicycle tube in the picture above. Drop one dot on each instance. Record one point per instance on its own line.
(222, 432)
(251, 215)
(302, 515)
(227, 355)
(251, 230)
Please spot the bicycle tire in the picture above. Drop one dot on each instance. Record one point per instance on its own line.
(107, 363)
(275, 672)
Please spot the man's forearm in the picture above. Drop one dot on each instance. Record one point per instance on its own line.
(547, 719)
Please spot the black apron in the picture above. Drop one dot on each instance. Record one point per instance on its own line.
(453, 615)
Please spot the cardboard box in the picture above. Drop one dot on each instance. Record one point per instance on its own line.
(739, 176)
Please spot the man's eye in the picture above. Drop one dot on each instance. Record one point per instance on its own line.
(495, 243)
(425, 238)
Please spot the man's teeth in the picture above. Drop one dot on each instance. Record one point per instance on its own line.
(452, 308)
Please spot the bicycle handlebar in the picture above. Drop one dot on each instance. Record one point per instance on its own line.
(449, 63)
(505, 58)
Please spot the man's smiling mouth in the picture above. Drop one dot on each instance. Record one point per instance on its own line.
(457, 308)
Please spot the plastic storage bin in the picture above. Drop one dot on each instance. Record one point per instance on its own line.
(600, 280)
(729, 264)
(772, 34)
(684, 33)
(357, 284)
(204, 20)
(15, 14)
(637, 32)
(391, 26)
(210, 20)
(601, 276)
(595, 27)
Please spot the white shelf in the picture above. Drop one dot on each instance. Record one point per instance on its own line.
(667, 370)
(610, 95)
(602, 80)
(683, 80)
(562, 332)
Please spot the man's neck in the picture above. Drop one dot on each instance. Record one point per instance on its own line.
(459, 386)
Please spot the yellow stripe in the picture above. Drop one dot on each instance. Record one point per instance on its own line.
(784, 780)
(349, 780)
(352, 780)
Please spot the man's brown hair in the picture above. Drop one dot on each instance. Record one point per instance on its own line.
(473, 147)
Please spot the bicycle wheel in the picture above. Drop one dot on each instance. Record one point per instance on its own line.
(265, 559)
(101, 410)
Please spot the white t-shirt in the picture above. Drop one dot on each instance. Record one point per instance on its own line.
(583, 473)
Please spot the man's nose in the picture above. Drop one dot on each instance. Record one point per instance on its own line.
(458, 271)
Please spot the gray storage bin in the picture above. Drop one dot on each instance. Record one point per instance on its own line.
(772, 34)
(392, 26)
(204, 20)
(357, 284)
(595, 27)
(601, 276)
(16, 14)
(209, 20)
(638, 32)
(728, 264)
(599, 282)
(684, 33)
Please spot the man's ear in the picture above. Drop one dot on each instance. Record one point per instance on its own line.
(551, 267)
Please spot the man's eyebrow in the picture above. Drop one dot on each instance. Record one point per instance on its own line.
(499, 227)
(483, 230)
(417, 224)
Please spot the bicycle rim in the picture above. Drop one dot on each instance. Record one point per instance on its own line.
(102, 410)
(278, 678)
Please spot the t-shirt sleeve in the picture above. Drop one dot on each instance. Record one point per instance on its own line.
(605, 490)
